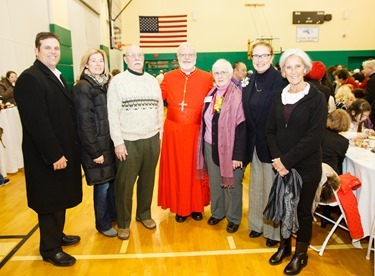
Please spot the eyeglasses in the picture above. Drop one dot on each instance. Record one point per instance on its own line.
(222, 73)
(263, 56)
(133, 55)
(186, 55)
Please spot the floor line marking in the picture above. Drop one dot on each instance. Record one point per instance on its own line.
(175, 254)
(124, 247)
(232, 244)
(337, 239)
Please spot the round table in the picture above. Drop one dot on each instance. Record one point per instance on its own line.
(361, 163)
(11, 159)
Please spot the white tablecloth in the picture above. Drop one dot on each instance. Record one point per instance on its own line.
(11, 159)
(361, 163)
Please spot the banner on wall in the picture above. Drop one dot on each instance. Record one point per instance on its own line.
(162, 31)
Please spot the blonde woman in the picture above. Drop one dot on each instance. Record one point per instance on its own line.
(344, 97)
(98, 156)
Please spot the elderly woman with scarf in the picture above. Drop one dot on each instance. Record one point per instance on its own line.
(98, 156)
(295, 131)
(223, 146)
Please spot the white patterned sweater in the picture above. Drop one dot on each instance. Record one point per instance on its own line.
(135, 107)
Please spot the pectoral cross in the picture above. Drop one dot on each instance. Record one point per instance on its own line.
(183, 104)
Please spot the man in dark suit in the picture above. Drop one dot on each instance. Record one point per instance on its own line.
(50, 147)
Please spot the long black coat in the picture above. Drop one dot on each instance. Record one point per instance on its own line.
(90, 101)
(49, 132)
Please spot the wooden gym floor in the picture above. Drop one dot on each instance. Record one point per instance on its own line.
(189, 248)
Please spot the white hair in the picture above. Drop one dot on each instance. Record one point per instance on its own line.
(222, 63)
(295, 52)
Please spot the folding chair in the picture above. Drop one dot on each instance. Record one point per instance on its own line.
(336, 223)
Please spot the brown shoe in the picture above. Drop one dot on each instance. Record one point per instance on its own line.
(123, 234)
(148, 223)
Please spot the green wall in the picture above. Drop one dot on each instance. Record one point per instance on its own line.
(106, 50)
(350, 59)
(66, 59)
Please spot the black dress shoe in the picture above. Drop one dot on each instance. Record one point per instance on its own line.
(232, 227)
(254, 234)
(180, 218)
(271, 243)
(61, 259)
(197, 216)
(70, 240)
(214, 221)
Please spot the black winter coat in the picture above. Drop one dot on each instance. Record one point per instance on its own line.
(298, 141)
(49, 132)
(90, 101)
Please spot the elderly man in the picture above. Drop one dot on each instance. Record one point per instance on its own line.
(135, 114)
(185, 90)
(50, 139)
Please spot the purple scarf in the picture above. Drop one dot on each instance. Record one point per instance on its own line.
(231, 115)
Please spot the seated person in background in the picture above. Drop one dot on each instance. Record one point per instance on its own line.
(314, 77)
(343, 77)
(6, 87)
(329, 79)
(359, 111)
(358, 76)
(344, 97)
(334, 147)
(358, 93)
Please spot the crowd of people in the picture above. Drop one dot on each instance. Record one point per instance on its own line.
(284, 123)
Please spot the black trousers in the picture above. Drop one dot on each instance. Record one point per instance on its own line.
(305, 217)
(51, 228)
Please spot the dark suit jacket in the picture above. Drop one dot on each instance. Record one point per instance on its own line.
(49, 132)
(334, 147)
(256, 129)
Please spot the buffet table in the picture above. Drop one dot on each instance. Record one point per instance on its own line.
(11, 159)
(361, 163)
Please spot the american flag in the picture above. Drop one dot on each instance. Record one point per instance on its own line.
(162, 31)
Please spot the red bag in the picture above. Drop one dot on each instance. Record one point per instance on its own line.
(349, 182)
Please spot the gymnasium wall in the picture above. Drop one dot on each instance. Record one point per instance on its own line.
(218, 29)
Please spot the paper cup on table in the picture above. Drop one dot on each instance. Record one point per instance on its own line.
(371, 141)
